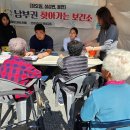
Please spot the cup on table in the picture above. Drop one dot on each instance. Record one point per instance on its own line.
(92, 53)
(5, 48)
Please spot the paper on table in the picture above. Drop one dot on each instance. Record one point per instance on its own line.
(32, 58)
(4, 57)
(48, 59)
(5, 53)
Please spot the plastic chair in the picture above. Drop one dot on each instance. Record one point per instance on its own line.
(83, 85)
(113, 125)
(7, 92)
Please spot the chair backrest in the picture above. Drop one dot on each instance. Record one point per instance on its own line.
(6, 85)
(78, 80)
(85, 83)
(7, 90)
(113, 125)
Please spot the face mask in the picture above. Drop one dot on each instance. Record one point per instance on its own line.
(98, 26)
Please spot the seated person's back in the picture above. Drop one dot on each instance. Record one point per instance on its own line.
(111, 102)
(16, 68)
(74, 64)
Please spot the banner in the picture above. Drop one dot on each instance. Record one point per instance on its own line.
(53, 13)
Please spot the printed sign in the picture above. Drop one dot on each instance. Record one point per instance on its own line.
(54, 13)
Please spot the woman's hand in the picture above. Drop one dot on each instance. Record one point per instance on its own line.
(29, 54)
(89, 48)
(40, 55)
(61, 56)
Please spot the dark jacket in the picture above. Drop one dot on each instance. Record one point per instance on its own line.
(6, 33)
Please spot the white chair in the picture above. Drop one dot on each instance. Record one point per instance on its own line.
(7, 92)
(83, 85)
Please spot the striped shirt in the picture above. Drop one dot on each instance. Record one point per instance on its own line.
(73, 65)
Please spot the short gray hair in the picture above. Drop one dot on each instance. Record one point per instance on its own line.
(17, 46)
(117, 63)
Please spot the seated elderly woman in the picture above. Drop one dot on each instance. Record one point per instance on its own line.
(74, 64)
(111, 102)
(16, 68)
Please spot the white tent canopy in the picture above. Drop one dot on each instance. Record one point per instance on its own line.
(121, 13)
